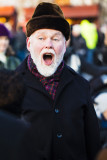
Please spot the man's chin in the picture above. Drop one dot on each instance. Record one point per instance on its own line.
(46, 71)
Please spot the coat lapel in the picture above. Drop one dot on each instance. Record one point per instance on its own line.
(30, 80)
(34, 83)
(66, 78)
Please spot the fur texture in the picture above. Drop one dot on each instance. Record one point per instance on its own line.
(48, 16)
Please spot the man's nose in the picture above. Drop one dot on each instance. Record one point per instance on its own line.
(49, 43)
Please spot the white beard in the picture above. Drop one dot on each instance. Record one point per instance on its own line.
(46, 70)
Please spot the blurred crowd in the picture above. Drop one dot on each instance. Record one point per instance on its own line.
(87, 54)
(88, 45)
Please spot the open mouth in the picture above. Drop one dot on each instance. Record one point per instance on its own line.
(48, 58)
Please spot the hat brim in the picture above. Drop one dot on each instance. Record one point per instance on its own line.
(48, 22)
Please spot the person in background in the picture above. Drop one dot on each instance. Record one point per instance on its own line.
(57, 102)
(12, 91)
(20, 43)
(78, 42)
(12, 128)
(98, 87)
(75, 56)
(8, 59)
(90, 34)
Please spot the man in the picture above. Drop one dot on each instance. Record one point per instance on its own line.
(57, 102)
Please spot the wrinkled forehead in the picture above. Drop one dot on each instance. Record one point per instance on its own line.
(47, 32)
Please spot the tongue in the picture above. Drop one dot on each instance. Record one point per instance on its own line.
(48, 61)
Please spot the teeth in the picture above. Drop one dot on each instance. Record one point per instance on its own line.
(48, 54)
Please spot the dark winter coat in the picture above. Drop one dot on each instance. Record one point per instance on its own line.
(12, 131)
(63, 129)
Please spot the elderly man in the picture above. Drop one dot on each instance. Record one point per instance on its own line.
(57, 102)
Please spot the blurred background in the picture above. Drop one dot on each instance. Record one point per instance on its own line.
(17, 12)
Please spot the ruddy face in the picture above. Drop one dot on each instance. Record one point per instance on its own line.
(47, 48)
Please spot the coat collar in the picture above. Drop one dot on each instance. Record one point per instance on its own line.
(66, 77)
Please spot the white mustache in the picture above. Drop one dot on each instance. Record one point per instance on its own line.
(47, 51)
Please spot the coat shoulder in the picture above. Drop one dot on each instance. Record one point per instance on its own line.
(78, 78)
(22, 67)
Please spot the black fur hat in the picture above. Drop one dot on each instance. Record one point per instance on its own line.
(48, 16)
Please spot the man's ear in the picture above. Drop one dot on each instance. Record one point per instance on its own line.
(65, 45)
(28, 43)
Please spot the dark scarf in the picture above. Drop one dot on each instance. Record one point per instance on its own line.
(50, 83)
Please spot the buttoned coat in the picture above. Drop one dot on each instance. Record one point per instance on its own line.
(63, 129)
